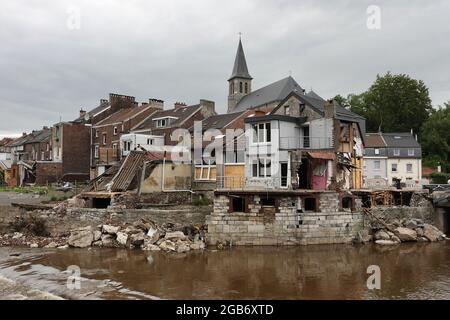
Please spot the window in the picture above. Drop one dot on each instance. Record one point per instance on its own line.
(161, 123)
(240, 87)
(96, 133)
(246, 87)
(114, 146)
(394, 167)
(126, 145)
(42, 155)
(104, 138)
(396, 152)
(48, 147)
(409, 168)
(150, 142)
(411, 152)
(377, 165)
(286, 110)
(115, 131)
(262, 133)
(261, 168)
(377, 151)
(96, 151)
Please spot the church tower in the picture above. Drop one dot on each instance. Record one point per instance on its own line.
(240, 82)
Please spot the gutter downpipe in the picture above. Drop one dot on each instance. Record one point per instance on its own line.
(163, 176)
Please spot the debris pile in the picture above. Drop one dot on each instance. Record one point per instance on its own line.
(143, 234)
(402, 230)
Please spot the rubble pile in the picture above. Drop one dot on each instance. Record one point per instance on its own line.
(407, 230)
(143, 234)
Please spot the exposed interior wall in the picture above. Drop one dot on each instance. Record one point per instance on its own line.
(176, 177)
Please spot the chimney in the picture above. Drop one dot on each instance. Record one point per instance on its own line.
(44, 128)
(179, 105)
(208, 107)
(103, 101)
(329, 109)
(156, 103)
(82, 113)
(24, 134)
(120, 101)
(144, 104)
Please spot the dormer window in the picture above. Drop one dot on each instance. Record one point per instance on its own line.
(411, 152)
(286, 110)
(164, 122)
(396, 152)
(161, 123)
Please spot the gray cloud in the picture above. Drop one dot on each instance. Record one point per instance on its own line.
(184, 50)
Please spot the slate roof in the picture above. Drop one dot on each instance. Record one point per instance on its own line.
(220, 121)
(123, 115)
(400, 140)
(33, 137)
(102, 107)
(375, 140)
(181, 113)
(240, 69)
(273, 92)
(39, 136)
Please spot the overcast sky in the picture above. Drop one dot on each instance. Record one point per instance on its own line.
(184, 50)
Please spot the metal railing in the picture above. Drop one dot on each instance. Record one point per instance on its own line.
(306, 142)
(230, 182)
(240, 183)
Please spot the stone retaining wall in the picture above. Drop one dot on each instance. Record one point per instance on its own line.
(283, 225)
(81, 217)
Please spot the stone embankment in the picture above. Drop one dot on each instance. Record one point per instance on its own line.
(396, 231)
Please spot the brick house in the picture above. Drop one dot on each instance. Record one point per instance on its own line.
(70, 160)
(105, 135)
(165, 122)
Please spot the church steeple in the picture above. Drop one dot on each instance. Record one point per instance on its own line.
(240, 81)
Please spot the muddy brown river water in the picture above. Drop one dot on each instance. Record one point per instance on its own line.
(408, 271)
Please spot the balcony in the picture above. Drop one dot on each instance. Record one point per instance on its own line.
(292, 143)
(107, 156)
(251, 183)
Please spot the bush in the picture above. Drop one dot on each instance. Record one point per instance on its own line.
(200, 201)
(35, 226)
(440, 177)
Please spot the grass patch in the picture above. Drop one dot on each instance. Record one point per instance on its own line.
(36, 190)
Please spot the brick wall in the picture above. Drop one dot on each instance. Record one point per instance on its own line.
(76, 152)
(48, 172)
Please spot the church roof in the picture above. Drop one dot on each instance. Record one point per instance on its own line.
(314, 95)
(273, 92)
(240, 64)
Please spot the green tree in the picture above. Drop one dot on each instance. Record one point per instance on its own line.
(435, 138)
(393, 103)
